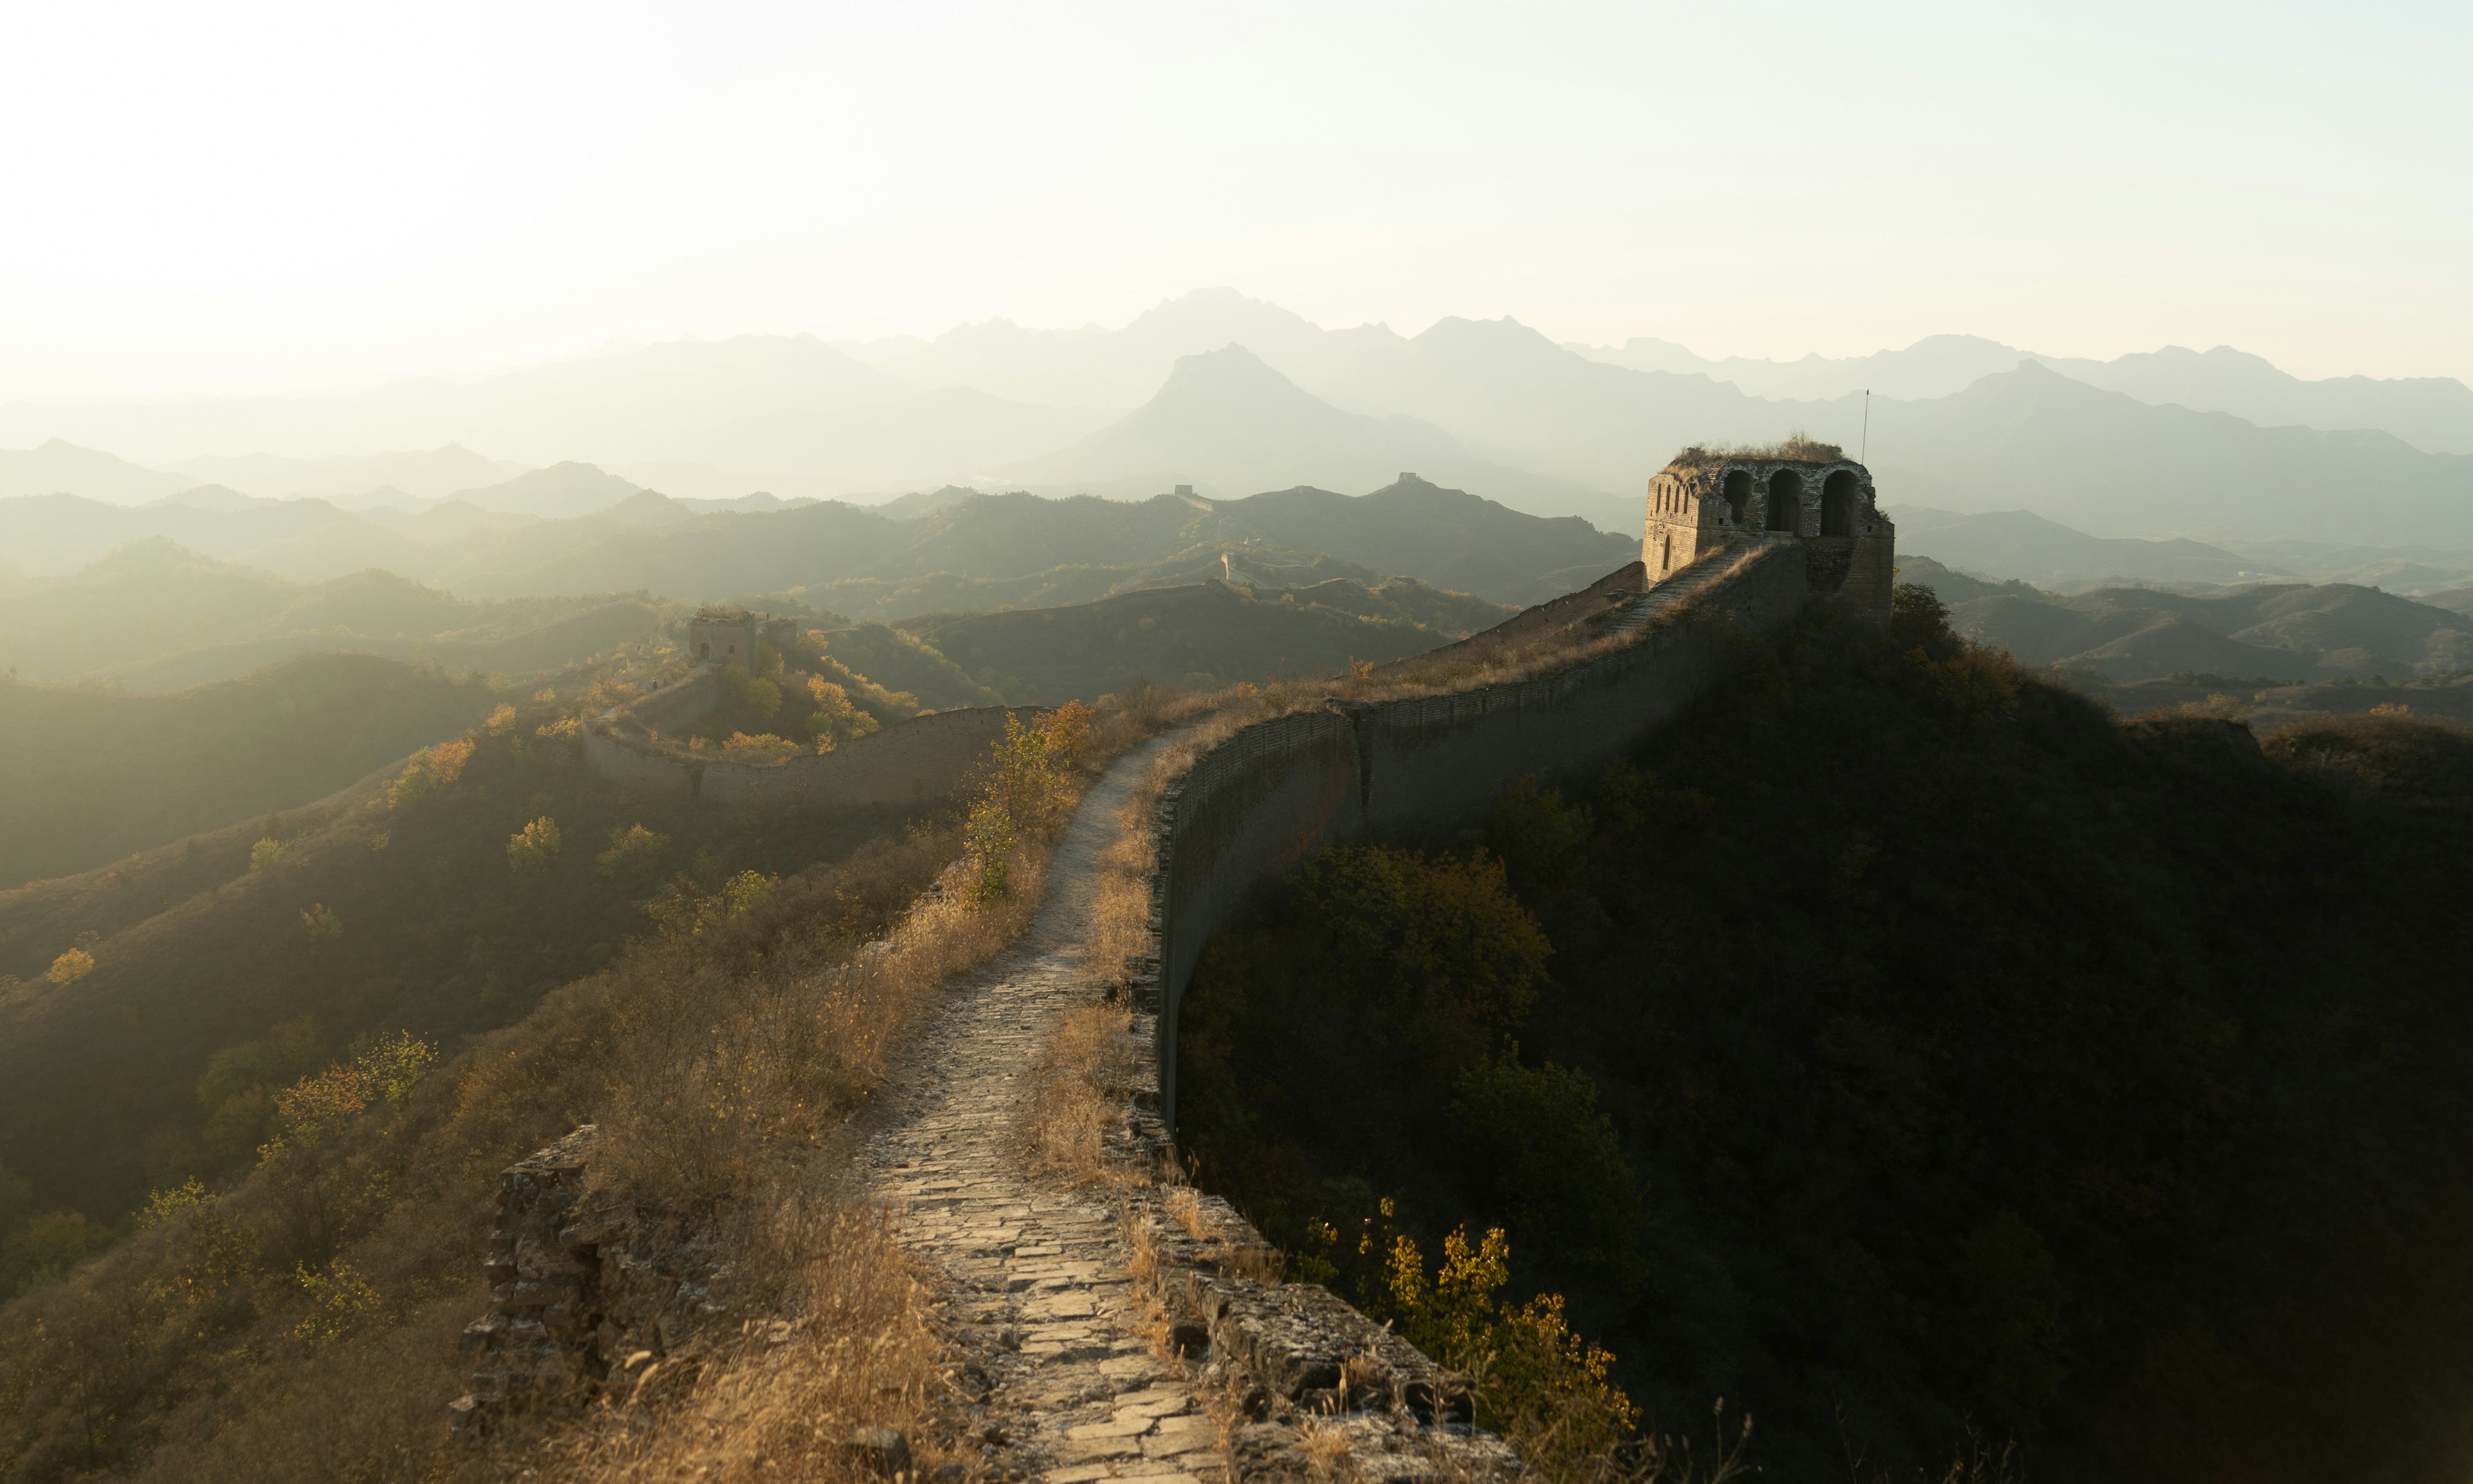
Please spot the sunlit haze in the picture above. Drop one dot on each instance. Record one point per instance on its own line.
(321, 197)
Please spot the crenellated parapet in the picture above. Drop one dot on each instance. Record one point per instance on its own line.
(1803, 494)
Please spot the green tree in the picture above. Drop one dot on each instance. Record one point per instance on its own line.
(764, 750)
(1436, 945)
(834, 719)
(319, 1200)
(1536, 833)
(531, 849)
(1542, 1154)
(45, 1249)
(633, 851)
(1537, 1382)
(747, 695)
(2014, 1341)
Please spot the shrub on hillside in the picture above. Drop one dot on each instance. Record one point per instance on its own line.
(430, 769)
(834, 719)
(1987, 1061)
(531, 849)
(1537, 1382)
(238, 1090)
(749, 695)
(1540, 1152)
(1432, 950)
(1534, 833)
(1025, 793)
(322, 1205)
(763, 751)
(633, 851)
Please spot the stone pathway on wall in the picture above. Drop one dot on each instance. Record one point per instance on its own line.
(1068, 1385)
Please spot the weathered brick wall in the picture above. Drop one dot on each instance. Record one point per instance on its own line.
(916, 761)
(676, 706)
(1256, 803)
(582, 1305)
(908, 762)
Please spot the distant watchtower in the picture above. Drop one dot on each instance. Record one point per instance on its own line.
(721, 636)
(1712, 500)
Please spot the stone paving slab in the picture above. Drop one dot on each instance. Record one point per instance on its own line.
(1075, 1391)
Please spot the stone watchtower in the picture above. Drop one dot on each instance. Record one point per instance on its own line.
(1810, 494)
(721, 636)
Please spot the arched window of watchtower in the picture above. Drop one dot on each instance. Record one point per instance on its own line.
(1739, 493)
(1837, 503)
(1786, 501)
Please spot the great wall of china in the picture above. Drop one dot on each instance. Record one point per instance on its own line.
(1063, 1380)
(907, 764)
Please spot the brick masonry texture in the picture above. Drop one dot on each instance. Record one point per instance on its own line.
(912, 762)
(1252, 806)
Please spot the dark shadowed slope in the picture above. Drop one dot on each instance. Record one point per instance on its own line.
(93, 775)
(203, 946)
(1914, 1056)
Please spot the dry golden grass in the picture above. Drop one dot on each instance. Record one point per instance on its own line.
(720, 1066)
(1077, 1095)
(1184, 1206)
(1795, 445)
(848, 1348)
(1328, 1450)
(720, 1070)
(1142, 1266)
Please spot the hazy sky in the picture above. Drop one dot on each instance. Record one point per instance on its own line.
(249, 196)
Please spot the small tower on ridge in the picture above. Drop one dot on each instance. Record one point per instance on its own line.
(1810, 494)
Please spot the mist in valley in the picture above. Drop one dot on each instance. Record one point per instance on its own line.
(626, 635)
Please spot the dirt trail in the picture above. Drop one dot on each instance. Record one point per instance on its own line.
(1037, 1270)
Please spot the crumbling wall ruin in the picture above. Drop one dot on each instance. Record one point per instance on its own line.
(580, 1306)
(909, 763)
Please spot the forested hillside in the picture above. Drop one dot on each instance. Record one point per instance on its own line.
(1201, 636)
(154, 616)
(1905, 1050)
(148, 1011)
(95, 776)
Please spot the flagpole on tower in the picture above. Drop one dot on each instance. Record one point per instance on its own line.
(1865, 456)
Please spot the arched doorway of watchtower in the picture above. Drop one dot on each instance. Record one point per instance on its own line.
(1837, 503)
(1786, 501)
(1739, 493)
